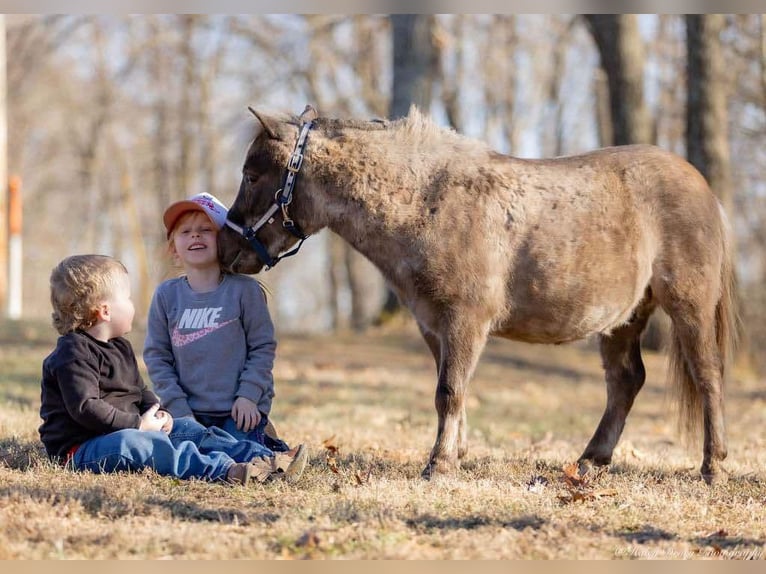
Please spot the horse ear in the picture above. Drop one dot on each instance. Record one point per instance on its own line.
(268, 128)
(309, 114)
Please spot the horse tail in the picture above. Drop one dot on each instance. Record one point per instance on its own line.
(727, 331)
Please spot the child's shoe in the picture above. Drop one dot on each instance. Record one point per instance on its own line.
(287, 465)
(239, 473)
(261, 468)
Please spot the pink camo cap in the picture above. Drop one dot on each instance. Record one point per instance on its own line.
(204, 202)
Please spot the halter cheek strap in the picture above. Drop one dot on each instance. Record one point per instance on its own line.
(282, 199)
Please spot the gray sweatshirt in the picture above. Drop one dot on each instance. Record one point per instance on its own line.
(203, 350)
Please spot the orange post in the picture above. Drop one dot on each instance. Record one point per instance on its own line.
(14, 206)
(14, 248)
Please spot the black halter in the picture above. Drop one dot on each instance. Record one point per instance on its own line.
(282, 199)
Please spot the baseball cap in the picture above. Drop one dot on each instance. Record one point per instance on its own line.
(204, 202)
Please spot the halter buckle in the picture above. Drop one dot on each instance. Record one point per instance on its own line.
(295, 163)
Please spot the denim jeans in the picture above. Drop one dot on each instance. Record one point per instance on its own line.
(190, 451)
(212, 439)
(258, 435)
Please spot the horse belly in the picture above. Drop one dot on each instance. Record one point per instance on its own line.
(563, 322)
(561, 305)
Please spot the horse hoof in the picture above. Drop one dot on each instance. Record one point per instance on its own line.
(715, 477)
(589, 466)
(435, 469)
(584, 467)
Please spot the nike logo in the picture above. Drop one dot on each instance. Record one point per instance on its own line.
(178, 339)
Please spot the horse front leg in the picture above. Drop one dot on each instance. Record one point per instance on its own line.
(434, 345)
(461, 346)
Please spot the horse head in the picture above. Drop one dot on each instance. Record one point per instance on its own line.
(261, 225)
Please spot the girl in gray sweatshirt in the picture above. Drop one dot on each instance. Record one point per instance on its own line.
(210, 343)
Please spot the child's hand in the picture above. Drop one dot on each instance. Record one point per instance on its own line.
(168, 426)
(151, 420)
(245, 414)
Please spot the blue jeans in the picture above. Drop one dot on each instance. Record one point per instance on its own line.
(258, 435)
(189, 451)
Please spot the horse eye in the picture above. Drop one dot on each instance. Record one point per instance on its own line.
(249, 179)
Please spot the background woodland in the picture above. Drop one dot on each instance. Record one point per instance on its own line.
(111, 118)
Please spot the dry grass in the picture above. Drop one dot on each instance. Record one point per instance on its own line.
(364, 404)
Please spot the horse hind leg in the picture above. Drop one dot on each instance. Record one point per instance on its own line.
(697, 374)
(625, 375)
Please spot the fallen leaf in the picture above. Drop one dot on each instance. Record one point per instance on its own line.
(572, 474)
(362, 478)
(332, 463)
(331, 450)
(329, 444)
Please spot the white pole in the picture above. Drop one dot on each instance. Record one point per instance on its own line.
(14, 277)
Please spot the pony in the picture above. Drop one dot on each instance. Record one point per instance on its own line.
(476, 243)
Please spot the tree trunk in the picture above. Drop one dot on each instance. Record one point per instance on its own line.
(622, 58)
(414, 69)
(185, 111)
(707, 133)
(414, 65)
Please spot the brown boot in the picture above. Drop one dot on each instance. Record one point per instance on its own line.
(239, 473)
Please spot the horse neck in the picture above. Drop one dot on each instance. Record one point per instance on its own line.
(361, 192)
(369, 171)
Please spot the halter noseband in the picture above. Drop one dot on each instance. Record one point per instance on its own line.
(282, 199)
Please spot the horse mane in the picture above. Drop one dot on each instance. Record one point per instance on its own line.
(415, 127)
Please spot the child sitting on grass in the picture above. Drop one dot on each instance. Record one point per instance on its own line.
(98, 414)
(210, 344)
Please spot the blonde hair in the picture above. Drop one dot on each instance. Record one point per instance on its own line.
(79, 284)
(183, 217)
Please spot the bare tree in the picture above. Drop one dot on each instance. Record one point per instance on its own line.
(450, 36)
(414, 62)
(414, 71)
(622, 58)
(670, 57)
(499, 80)
(186, 106)
(707, 121)
(91, 139)
(561, 31)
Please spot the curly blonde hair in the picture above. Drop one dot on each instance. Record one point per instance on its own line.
(79, 284)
